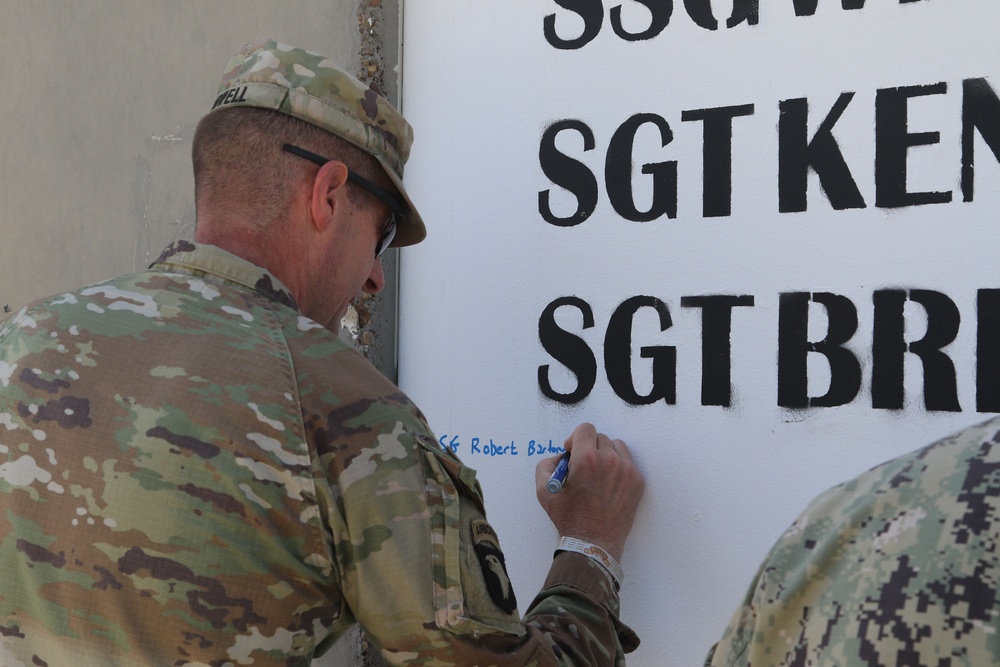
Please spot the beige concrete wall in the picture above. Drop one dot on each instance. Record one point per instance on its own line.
(98, 103)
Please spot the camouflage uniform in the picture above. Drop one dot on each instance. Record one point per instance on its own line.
(897, 567)
(193, 473)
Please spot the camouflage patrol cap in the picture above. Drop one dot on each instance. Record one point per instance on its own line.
(311, 87)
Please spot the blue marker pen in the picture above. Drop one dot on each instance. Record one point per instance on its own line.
(558, 477)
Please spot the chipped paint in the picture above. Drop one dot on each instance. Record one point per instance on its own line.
(370, 324)
(370, 68)
(164, 212)
(168, 137)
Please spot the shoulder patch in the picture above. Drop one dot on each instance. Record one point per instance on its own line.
(487, 546)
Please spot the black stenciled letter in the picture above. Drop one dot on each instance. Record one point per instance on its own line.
(568, 173)
(716, 347)
(808, 7)
(700, 12)
(943, 320)
(988, 351)
(660, 11)
(572, 351)
(618, 172)
(592, 13)
(889, 346)
(618, 354)
(892, 142)
(794, 346)
(796, 154)
(717, 156)
(744, 10)
(980, 111)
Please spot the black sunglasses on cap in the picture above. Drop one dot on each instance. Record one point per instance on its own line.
(397, 207)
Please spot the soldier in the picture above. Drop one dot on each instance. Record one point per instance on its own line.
(196, 470)
(899, 566)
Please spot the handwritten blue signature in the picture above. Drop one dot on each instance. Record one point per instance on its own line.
(489, 447)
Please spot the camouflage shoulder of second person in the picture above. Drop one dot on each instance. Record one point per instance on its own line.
(900, 561)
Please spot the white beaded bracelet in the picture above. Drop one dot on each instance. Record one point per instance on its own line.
(595, 553)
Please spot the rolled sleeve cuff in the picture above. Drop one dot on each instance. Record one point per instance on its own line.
(588, 579)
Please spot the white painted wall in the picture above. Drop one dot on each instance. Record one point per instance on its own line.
(481, 86)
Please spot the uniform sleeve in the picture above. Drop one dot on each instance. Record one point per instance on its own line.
(580, 592)
(422, 570)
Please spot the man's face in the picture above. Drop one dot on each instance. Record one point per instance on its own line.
(357, 220)
(353, 267)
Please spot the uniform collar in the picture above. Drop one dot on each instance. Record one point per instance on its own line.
(201, 259)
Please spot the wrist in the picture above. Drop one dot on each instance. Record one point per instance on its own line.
(595, 553)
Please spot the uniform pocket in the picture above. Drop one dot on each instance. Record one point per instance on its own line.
(472, 592)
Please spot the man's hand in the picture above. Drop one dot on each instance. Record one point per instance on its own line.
(598, 502)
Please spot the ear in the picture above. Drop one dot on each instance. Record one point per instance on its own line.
(327, 189)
